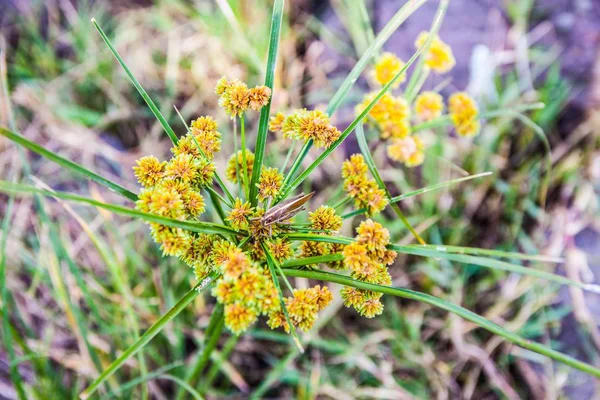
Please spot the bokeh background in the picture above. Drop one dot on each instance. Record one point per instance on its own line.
(97, 287)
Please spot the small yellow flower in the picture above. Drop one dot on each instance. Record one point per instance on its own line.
(235, 265)
(409, 151)
(224, 291)
(354, 166)
(311, 125)
(205, 123)
(324, 218)
(220, 252)
(439, 58)
(232, 168)
(161, 201)
(276, 122)
(463, 112)
(380, 111)
(371, 308)
(269, 183)
(355, 257)
(239, 318)
(259, 97)
(352, 297)
(149, 171)
(222, 85)
(429, 105)
(281, 249)
(235, 100)
(373, 236)
(387, 67)
(208, 140)
(193, 202)
(239, 214)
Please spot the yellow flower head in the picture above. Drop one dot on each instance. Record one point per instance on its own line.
(373, 236)
(175, 241)
(190, 170)
(311, 125)
(239, 214)
(269, 183)
(236, 264)
(410, 151)
(313, 249)
(429, 105)
(387, 67)
(222, 85)
(259, 97)
(235, 99)
(281, 249)
(235, 163)
(439, 58)
(193, 202)
(161, 201)
(149, 171)
(239, 318)
(463, 112)
(220, 252)
(370, 308)
(205, 123)
(207, 140)
(324, 218)
(276, 122)
(354, 166)
(381, 110)
(352, 297)
(305, 304)
(224, 291)
(355, 257)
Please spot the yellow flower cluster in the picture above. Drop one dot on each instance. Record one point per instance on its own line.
(386, 68)
(246, 289)
(409, 151)
(306, 125)
(439, 58)
(429, 105)
(269, 183)
(236, 98)
(368, 259)
(362, 189)
(463, 111)
(172, 189)
(235, 165)
(390, 114)
(303, 308)
(323, 219)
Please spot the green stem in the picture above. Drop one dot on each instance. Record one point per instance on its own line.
(213, 333)
(263, 123)
(458, 310)
(244, 176)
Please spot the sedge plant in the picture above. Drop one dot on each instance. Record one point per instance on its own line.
(246, 261)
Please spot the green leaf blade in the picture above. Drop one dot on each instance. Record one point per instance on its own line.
(263, 124)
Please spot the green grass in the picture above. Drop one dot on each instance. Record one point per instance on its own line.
(116, 298)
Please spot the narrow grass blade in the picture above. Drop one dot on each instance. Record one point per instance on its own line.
(198, 226)
(306, 173)
(148, 335)
(487, 252)
(298, 262)
(364, 149)
(213, 333)
(7, 335)
(263, 123)
(63, 162)
(161, 119)
(453, 308)
(423, 190)
(425, 251)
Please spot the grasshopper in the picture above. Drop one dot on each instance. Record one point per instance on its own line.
(285, 210)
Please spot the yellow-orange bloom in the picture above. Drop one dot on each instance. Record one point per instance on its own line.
(409, 150)
(387, 67)
(439, 58)
(429, 105)
(463, 112)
